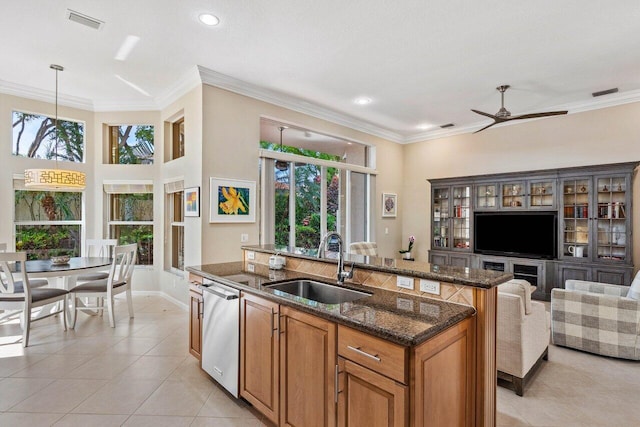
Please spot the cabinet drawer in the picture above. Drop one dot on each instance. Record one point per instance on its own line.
(374, 353)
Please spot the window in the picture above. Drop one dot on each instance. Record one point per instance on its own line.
(48, 223)
(312, 190)
(34, 136)
(177, 134)
(131, 145)
(131, 217)
(174, 227)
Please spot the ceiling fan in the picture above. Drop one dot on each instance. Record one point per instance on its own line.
(504, 115)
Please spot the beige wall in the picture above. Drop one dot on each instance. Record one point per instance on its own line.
(231, 135)
(609, 135)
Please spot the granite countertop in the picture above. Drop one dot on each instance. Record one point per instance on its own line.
(400, 318)
(443, 273)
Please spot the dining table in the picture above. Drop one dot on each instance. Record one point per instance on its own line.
(68, 272)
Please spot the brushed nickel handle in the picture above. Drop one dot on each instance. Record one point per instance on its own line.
(364, 353)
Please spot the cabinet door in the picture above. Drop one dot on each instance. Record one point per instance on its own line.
(542, 194)
(460, 260)
(195, 324)
(438, 258)
(576, 272)
(461, 217)
(575, 211)
(615, 276)
(368, 399)
(486, 197)
(513, 195)
(441, 217)
(259, 354)
(308, 362)
(611, 219)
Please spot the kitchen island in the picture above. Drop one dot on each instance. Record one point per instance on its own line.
(391, 358)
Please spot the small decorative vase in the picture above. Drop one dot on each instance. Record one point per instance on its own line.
(406, 255)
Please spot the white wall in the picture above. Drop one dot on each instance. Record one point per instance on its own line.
(610, 135)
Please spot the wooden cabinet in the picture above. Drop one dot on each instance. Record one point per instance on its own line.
(259, 354)
(451, 217)
(195, 316)
(287, 363)
(307, 370)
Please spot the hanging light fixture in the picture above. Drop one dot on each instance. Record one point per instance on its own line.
(281, 165)
(54, 179)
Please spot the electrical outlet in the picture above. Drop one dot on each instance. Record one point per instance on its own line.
(430, 286)
(405, 282)
(251, 255)
(251, 268)
(244, 238)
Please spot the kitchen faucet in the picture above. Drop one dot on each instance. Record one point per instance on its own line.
(321, 249)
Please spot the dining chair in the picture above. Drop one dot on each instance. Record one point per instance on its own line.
(102, 248)
(16, 292)
(117, 282)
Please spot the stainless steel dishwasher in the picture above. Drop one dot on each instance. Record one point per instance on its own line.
(221, 334)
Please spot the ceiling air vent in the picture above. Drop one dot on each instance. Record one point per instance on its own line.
(80, 18)
(448, 125)
(605, 92)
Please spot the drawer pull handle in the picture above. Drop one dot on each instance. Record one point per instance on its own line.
(364, 353)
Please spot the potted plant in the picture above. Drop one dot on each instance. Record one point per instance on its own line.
(406, 254)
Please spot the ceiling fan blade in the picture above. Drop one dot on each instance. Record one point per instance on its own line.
(536, 115)
(486, 127)
(491, 116)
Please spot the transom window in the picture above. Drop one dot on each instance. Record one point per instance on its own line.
(131, 144)
(34, 136)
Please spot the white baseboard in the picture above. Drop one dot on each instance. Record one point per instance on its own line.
(169, 298)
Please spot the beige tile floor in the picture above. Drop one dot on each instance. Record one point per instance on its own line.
(140, 374)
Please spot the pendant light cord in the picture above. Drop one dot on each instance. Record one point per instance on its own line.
(55, 147)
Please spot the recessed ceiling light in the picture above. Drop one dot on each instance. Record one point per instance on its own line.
(209, 19)
(425, 126)
(363, 100)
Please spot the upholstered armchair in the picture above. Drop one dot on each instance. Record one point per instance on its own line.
(599, 318)
(364, 248)
(522, 335)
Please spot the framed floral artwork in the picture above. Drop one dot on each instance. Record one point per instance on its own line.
(192, 201)
(232, 200)
(389, 205)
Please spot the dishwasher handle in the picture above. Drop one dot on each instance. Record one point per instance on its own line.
(221, 292)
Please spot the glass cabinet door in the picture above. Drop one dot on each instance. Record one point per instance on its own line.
(513, 194)
(441, 217)
(611, 218)
(486, 197)
(542, 194)
(461, 217)
(576, 194)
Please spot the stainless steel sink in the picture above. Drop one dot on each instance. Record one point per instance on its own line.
(318, 291)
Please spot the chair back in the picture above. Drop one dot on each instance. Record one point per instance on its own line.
(364, 248)
(13, 268)
(99, 247)
(124, 260)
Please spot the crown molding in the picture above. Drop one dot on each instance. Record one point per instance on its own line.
(182, 86)
(223, 81)
(104, 107)
(29, 92)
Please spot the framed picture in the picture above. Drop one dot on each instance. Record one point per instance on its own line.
(192, 201)
(389, 205)
(232, 200)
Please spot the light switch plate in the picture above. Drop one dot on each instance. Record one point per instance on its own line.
(251, 255)
(244, 238)
(405, 282)
(430, 286)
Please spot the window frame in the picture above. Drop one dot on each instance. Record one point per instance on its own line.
(113, 134)
(174, 199)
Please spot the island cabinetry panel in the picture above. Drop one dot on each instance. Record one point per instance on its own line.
(443, 371)
(196, 308)
(259, 354)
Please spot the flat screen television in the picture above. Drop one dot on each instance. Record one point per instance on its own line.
(519, 234)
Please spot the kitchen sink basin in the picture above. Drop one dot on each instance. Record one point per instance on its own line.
(318, 291)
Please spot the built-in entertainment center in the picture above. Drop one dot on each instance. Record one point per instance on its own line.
(543, 226)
